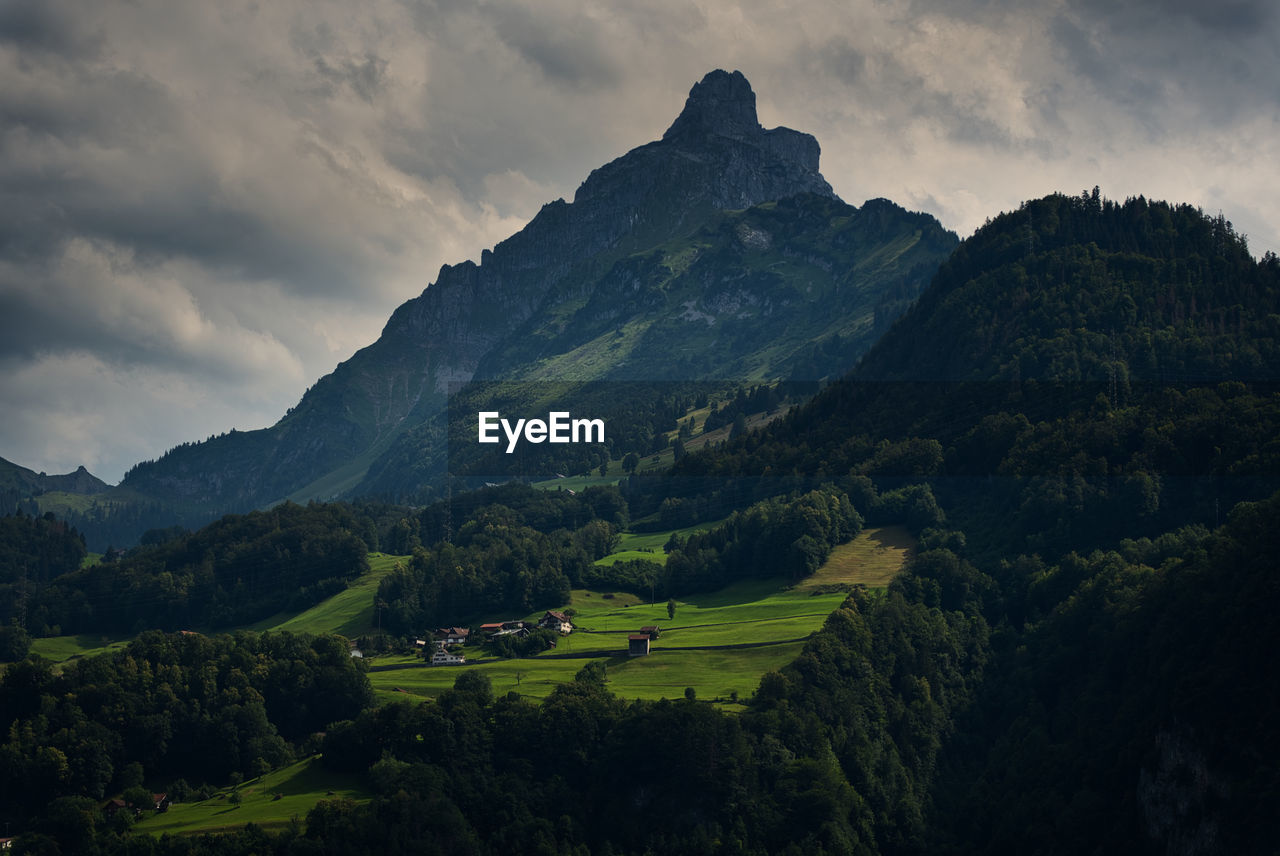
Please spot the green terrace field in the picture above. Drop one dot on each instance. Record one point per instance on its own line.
(648, 545)
(655, 540)
(348, 613)
(62, 648)
(581, 482)
(299, 786)
(719, 644)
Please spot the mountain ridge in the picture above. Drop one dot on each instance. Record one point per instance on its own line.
(15, 477)
(715, 156)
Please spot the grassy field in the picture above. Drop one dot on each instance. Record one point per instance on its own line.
(626, 555)
(648, 545)
(62, 648)
(348, 613)
(581, 482)
(655, 540)
(300, 787)
(718, 643)
(871, 559)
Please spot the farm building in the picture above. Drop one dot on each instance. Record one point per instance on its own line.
(556, 621)
(638, 645)
(650, 630)
(504, 628)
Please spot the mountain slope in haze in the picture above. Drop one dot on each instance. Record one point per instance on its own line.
(491, 319)
(20, 480)
(794, 289)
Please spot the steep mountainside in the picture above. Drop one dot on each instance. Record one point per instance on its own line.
(546, 298)
(1110, 359)
(794, 289)
(1079, 417)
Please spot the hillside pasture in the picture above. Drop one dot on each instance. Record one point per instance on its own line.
(348, 613)
(300, 786)
(872, 559)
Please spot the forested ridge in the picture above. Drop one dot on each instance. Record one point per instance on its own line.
(234, 571)
(1078, 422)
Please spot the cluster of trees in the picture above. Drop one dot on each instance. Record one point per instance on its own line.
(1129, 707)
(235, 571)
(543, 510)
(757, 399)
(790, 537)
(33, 551)
(497, 563)
(493, 564)
(167, 707)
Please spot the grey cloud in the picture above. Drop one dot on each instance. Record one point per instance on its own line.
(840, 58)
(364, 76)
(45, 26)
(1227, 17)
(569, 49)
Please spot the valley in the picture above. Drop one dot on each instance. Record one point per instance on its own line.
(950, 546)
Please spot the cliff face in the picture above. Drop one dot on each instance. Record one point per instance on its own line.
(469, 322)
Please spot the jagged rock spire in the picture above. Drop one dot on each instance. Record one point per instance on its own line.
(722, 103)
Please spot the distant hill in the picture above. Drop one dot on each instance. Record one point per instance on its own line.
(15, 479)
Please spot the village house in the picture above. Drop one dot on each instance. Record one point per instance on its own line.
(453, 635)
(557, 621)
(7, 843)
(442, 656)
(638, 645)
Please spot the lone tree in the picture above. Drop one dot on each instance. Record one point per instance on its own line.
(671, 608)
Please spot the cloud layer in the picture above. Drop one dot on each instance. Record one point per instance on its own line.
(204, 207)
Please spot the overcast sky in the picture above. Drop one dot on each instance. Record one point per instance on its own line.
(204, 207)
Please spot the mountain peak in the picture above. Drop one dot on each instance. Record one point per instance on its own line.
(722, 103)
